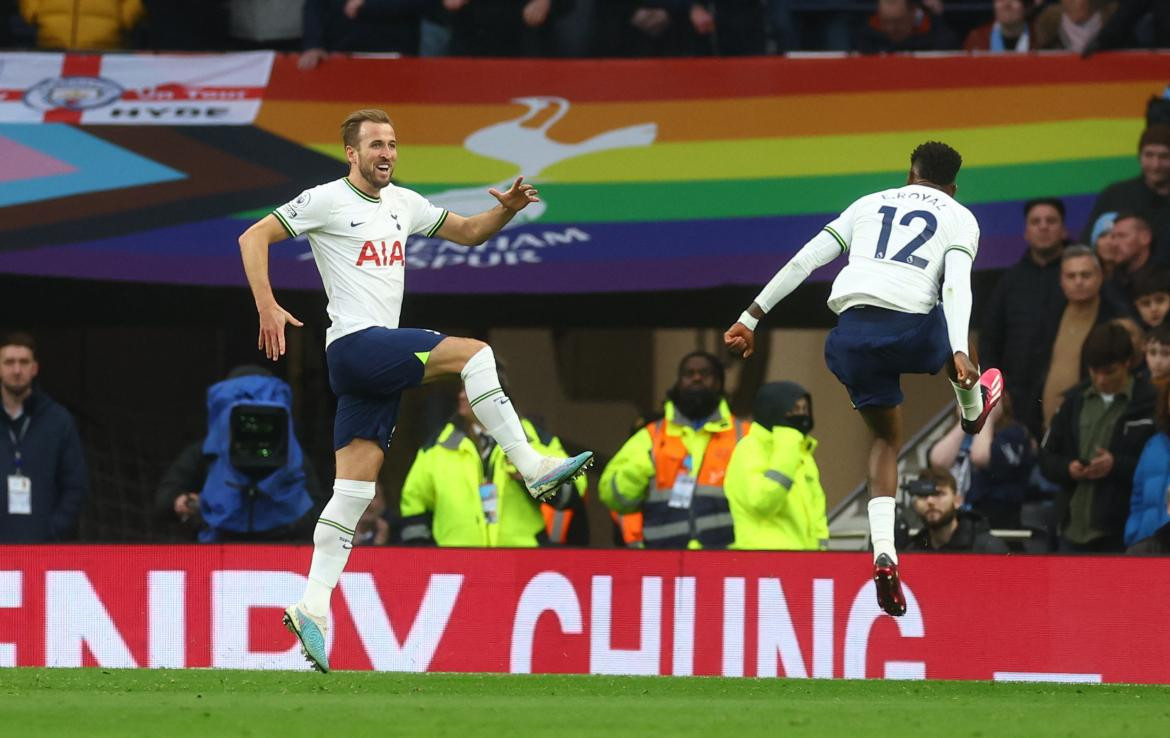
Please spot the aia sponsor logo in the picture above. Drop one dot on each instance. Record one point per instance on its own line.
(381, 255)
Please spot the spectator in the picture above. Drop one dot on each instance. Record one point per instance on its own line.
(644, 28)
(1080, 280)
(198, 25)
(992, 469)
(1148, 506)
(783, 31)
(1158, 355)
(773, 483)
(1002, 461)
(1121, 31)
(359, 25)
(1031, 287)
(1148, 194)
(8, 24)
(1131, 238)
(952, 451)
(574, 29)
(40, 454)
(463, 491)
(1094, 443)
(1072, 24)
(1008, 32)
(1152, 297)
(505, 28)
(735, 27)
(1137, 337)
(945, 525)
(247, 479)
(672, 470)
(373, 529)
(1101, 240)
(271, 24)
(82, 24)
(903, 25)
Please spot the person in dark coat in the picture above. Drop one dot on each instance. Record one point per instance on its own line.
(1092, 448)
(1025, 308)
(359, 25)
(946, 527)
(505, 28)
(1147, 194)
(40, 454)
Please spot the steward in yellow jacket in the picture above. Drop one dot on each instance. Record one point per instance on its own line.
(81, 24)
(773, 484)
(462, 491)
(672, 470)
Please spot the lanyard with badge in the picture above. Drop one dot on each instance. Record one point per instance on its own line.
(489, 494)
(684, 486)
(19, 486)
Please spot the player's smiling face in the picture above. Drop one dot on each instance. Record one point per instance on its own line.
(376, 154)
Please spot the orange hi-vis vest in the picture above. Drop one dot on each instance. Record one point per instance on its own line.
(630, 525)
(707, 519)
(557, 522)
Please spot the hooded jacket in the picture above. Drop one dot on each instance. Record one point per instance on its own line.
(773, 483)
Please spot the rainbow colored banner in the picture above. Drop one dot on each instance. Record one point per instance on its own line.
(653, 174)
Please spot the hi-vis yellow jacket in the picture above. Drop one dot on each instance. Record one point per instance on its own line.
(774, 488)
(445, 482)
(641, 477)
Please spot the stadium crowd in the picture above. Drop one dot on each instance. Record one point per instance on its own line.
(581, 28)
(1078, 452)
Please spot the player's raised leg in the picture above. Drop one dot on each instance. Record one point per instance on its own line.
(885, 423)
(474, 361)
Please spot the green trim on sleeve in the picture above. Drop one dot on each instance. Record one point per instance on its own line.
(840, 241)
(283, 222)
(438, 224)
(957, 247)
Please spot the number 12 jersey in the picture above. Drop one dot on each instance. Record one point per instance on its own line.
(897, 240)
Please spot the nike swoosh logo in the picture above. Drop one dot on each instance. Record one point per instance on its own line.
(355, 225)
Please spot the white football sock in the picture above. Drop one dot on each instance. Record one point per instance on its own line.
(881, 527)
(970, 401)
(495, 413)
(332, 541)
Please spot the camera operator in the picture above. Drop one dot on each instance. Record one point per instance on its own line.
(248, 479)
(944, 526)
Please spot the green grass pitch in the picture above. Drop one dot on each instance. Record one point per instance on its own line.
(112, 702)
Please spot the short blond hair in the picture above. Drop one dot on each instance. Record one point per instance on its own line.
(353, 123)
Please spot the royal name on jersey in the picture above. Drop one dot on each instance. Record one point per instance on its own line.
(359, 245)
(897, 240)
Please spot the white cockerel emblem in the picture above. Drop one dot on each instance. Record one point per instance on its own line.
(532, 151)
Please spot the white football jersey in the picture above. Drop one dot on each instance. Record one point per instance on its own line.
(896, 241)
(359, 244)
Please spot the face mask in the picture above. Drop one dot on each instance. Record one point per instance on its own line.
(802, 423)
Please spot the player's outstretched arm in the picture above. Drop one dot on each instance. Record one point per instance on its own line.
(823, 248)
(475, 229)
(254, 244)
